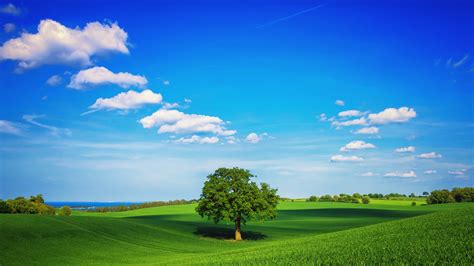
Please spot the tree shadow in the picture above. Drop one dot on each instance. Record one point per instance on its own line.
(223, 233)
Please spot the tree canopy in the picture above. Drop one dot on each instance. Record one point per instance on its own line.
(230, 195)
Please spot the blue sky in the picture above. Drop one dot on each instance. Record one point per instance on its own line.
(140, 100)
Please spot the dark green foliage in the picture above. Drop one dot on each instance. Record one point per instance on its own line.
(326, 198)
(463, 194)
(33, 205)
(440, 196)
(65, 211)
(357, 195)
(312, 198)
(366, 200)
(230, 195)
(375, 195)
(412, 195)
(413, 203)
(426, 193)
(4, 207)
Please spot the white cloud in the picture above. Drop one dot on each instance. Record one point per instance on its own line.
(454, 64)
(58, 44)
(405, 149)
(429, 155)
(166, 82)
(10, 9)
(198, 140)
(101, 76)
(393, 115)
(9, 27)
(339, 102)
(253, 138)
(341, 158)
(323, 117)
(127, 100)
(357, 145)
(54, 80)
(55, 131)
(232, 140)
(173, 121)
(401, 174)
(171, 106)
(460, 172)
(350, 113)
(187, 100)
(430, 172)
(368, 174)
(11, 128)
(368, 130)
(356, 122)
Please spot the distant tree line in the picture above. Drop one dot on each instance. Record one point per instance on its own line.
(122, 208)
(33, 205)
(435, 197)
(465, 194)
(355, 198)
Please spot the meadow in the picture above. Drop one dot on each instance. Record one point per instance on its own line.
(384, 231)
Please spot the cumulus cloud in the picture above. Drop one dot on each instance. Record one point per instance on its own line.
(54, 80)
(127, 100)
(368, 130)
(198, 140)
(9, 27)
(401, 174)
(356, 122)
(339, 102)
(10, 9)
(350, 113)
(405, 149)
(55, 43)
(430, 172)
(100, 76)
(429, 155)
(231, 139)
(166, 82)
(341, 158)
(357, 145)
(392, 115)
(253, 138)
(173, 121)
(7, 127)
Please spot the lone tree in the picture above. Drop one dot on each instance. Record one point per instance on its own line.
(230, 195)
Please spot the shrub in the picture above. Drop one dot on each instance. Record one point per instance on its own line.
(365, 200)
(326, 198)
(312, 198)
(463, 194)
(65, 211)
(440, 196)
(413, 203)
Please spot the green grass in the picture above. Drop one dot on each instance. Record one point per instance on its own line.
(303, 233)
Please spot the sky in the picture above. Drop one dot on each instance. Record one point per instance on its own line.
(141, 100)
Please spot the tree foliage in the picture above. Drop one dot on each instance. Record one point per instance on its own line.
(230, 195)
(33, 205)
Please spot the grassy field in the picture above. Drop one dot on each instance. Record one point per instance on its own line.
(303, 233)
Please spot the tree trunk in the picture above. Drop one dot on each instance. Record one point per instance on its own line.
(238, 236)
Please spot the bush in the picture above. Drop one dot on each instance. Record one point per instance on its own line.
(463, 194)
(312, 198)
(413, 203)
(440, 196)
(326, 198)
(366, 200)
(65, 211)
